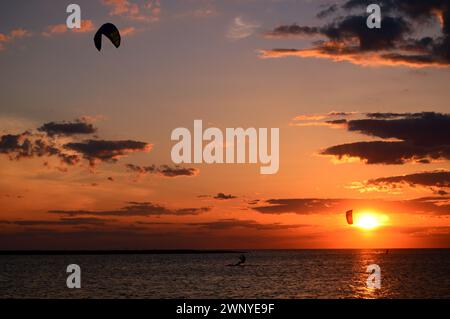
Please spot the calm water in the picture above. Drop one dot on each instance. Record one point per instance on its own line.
(269, 274)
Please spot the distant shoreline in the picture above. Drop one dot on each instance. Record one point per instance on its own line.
(114, 252)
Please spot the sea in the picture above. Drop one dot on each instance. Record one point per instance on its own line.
(285, 274)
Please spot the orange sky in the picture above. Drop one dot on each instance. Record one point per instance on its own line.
(181, 62)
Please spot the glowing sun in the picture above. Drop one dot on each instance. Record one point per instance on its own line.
(368, 221)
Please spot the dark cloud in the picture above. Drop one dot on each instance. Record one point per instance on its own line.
(355, 27)
(27, 145)
(389, 153)
(163, 170)
(413, 9)
(135, 209)
(311, 206)
(141, 170)
(389, 115)
(424, 137)
(426, 129)
(437, 181)
(168, 171)
(347, 38)
(336, 122)
(45, 142)
(16, 145)
(106, 151)
(67, 128)
(223, 196)
(302, 206)
(292, 30)
(225, 224)
(436, 178)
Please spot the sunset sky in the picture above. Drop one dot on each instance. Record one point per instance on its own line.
(363, 116)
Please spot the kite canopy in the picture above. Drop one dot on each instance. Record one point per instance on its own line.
(110, 31)
(349, 216)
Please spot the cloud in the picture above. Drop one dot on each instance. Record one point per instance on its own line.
(107, 151)
(27, 145)
(328, 116)
(223, 196)
(16, 145)
(67, 128)
(389, 153)
(202, 12)
(302, 206)
(163, 170)
(427, 128)
(438, 181)
(332, 119)
(222, 224)
(128, 31)
(422, 231)
(312, 206)
(349, 39)
(61, 222)
(328, 11)
(13, 35)
(292, 30)
(241, 28)
(435, 178)
(46, 142)
(226, 224)
(390, 115)
(150, 11)
(136, 209)
(56, 29)
(423, 137)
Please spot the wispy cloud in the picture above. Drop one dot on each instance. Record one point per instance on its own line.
(240, 28)
(202, 12)
(61, 222)
(13, 35)
(225, 224)
(128, 31)
(56, 29)
(136, 209)
(150, 11)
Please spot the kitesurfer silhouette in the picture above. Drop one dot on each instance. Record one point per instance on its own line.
(110, 31)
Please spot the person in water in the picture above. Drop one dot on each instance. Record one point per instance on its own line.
(241, 260)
